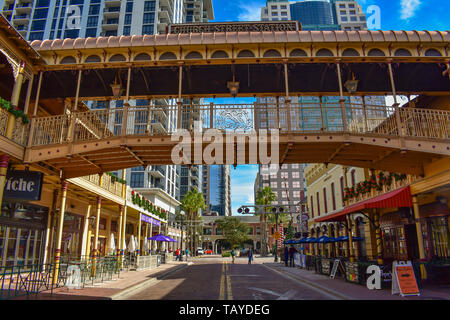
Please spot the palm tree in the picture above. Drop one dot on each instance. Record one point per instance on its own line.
(265, 197)
(191, 203)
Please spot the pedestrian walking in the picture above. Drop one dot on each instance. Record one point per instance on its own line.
(233, 254)
(177, 253)
(250, 256)
(292, 251)
(286, 256)
(187, 254)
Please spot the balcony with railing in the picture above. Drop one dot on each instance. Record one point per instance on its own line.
(157, 172)
(301, 118)
(108, 183)
(389, 183)
(111, 12)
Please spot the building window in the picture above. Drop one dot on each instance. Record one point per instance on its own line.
(318, 203)
(92, 21)
(128, 18)
(333, 196)
(295, 166)
(149, 18)
(353, 178)
(250, 230)
(265, 177)
(92, 32)
(344, 19)
(36, 36)
(274, 14)
(296, 175)
(284, 175)
(94, 9)
(129, 7)
(296, 194)
(325, 200)
(148, 29)
(137, 180)
(353, 19)
(296, 184)
(149, 6)
(284, 13)
(284, 194)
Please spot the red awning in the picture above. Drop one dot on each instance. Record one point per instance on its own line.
(393, 199)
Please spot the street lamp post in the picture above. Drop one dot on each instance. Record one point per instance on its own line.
(276, 240)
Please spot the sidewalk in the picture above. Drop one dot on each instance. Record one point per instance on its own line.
(128, 283)
(350, 291)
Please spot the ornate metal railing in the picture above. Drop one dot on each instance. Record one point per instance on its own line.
(107, 183)
(17, 281)
(293, 117)
(20, 131)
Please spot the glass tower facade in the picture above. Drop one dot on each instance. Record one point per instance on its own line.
(312, 12)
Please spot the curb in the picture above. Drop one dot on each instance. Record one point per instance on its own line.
(141, 286)
(325, 290)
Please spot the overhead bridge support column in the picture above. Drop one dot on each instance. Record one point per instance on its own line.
(342, 100)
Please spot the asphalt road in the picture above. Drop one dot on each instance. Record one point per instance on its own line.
(216, 278)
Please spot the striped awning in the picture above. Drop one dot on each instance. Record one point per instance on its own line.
(393, 199)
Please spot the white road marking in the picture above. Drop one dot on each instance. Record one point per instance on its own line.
(281, 296)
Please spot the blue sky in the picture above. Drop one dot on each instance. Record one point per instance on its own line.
(395, 15)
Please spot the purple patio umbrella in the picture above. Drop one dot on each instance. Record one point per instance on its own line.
(160, 237)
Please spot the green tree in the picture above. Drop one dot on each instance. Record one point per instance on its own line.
(192, 202)
(234, 230)
(265, 196)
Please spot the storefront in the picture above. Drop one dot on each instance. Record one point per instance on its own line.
(22, 225)
(22, 234)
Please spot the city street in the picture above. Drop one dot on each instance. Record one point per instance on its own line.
(216, 278)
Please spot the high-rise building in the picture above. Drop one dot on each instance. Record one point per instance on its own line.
(349, 15)
(51, 19)
(216, 189)
(317, 14)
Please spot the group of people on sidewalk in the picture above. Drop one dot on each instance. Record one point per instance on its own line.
(249, 254)
(289, 255)
(179, 254)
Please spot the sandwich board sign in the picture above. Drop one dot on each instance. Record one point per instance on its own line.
(403, 279)
(335, 267)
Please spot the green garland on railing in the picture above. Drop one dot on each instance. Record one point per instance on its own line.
(115, 178)
(374, 182)
(14, 110)
(140, 201)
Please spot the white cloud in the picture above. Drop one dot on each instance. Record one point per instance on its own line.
(409, 8)
(249, 11)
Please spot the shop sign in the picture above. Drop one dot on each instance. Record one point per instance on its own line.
(150, 220)
(23, 185)
(403, 279)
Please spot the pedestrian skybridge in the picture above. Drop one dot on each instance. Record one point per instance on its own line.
(65, 137)
(87, 142)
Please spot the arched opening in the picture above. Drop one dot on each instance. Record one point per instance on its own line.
(142, 57)
(402, 53)
(117, 58)
(7, 76)
(68, 60)
(222, 245)
(349, 52)
(168, 56)
(271, 54)
(245, 54)
(324, 53)
(193, 55)
(432, 53)
(298, 53)
(376, 53)
(93, 59)
(220, 54)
